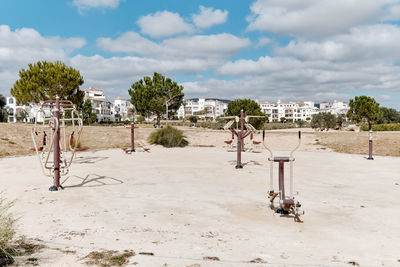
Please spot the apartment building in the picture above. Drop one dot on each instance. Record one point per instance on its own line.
(101, 106)
(121, 109)
(296, 111)
(337, 107)
(203, 108)
(21, 113)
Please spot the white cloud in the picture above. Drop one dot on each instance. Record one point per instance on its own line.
(204, 46)
(23, 46)
(316, 18)
(87, 4)
(163, 24)
(375, 42)
(209, 17)
(263, 41)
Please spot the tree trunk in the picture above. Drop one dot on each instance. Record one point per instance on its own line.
(158, 120)
(369, 125)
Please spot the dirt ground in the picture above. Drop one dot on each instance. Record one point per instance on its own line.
(191, 207)
(15, 139)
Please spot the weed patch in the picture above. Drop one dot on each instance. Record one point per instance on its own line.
(108, 258)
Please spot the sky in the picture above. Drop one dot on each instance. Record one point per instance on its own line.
(268, 50)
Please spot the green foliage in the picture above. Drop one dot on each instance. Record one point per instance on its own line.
(364, 108)
(21, 115)
(250, 107)
(301, 123)
(3, 101)
(193, 119)
(7, 232)
(44, 80)
(323, 121)
(382, 127)
(150, 94)
(3, 112)
(109, 258)
(140, 119)
(88, 116)
(340, 120)
(277, 126)
(168, 137)
(389, 115)
(282, 119)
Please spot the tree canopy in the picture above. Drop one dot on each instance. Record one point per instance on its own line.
(3, 113)
(151, 94)
(3, 101)
(364, 108)
(44, 80)
(324, 121)
(250, 107)
(389, 115)
(88, 116)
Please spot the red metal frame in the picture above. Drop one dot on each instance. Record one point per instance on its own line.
(370, 146)
(56, 154)
(241, 135)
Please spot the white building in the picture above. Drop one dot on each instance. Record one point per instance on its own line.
(100, 104)
(291, 111)
(203, 108)
(121, 109)
(15, 110)
(337, 107)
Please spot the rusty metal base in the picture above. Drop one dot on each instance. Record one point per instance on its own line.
(55, 188)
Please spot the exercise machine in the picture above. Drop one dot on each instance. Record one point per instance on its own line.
(56, 154)
(287, 203)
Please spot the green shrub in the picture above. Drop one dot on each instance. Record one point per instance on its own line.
(6, 232)
(193, 119)
(168, 137)
(277, 126)
(382, 127)
(140, 119)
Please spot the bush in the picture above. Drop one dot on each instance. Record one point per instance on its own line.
(140, 119)
(6, 231)
(382, 127)
(193, 119)
(168, 137)
(277, 126)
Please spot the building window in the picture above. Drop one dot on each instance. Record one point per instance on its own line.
(10, 101)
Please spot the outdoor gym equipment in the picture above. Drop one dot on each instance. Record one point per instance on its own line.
(287, 204)
(370, 146)
(240, 135)
(56, 155)
(130, 150)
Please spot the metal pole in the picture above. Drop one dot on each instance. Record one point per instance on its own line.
(370, 146)
(239, 143)
(56, 151)
(133, 137)
(282, 179)
(166, 104)
(242, 129)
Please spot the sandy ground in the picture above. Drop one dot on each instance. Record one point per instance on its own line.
(186, 204)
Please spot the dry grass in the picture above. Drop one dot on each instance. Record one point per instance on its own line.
(385, 143)
(108, 258)
(15, 139)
